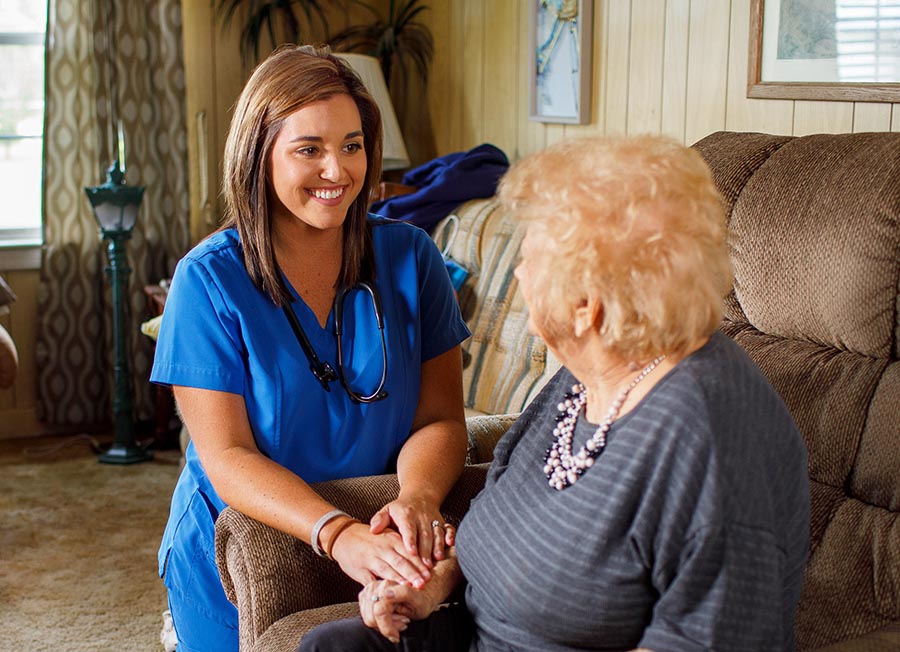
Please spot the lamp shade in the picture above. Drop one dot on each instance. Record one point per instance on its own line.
(395, 156)
(114, 202)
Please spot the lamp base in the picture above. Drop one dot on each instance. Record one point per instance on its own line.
(119, 454)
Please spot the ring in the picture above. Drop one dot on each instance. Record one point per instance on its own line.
(435, 523)
(376, 598)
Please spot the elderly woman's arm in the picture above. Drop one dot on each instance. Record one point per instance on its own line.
(430, 461)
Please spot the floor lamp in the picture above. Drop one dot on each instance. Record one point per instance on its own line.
(115, 205)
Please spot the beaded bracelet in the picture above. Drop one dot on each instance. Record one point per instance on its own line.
(314, 537)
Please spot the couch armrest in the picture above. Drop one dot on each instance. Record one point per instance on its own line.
(268, 574)
(484, 433)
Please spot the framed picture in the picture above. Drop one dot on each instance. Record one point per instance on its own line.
(559, 55)
(842, 50)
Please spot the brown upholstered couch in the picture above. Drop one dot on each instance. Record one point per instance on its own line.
(815, 243)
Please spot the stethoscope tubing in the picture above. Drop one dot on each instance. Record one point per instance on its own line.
(379, 392)
(323, 371)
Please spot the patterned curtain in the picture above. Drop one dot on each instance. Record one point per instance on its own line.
(145, 81)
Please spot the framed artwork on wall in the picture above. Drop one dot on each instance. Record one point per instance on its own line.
(838, 50)
(559, 56)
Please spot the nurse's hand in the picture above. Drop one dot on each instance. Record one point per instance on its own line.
(421, 526)
(365, 557)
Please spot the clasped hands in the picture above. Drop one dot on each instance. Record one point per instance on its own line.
(402, 543)
(389, 607)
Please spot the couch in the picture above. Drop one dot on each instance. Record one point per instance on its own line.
(815, 244)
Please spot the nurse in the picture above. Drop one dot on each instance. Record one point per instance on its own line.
(273, 396)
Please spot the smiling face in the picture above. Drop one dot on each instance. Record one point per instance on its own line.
(318, 164)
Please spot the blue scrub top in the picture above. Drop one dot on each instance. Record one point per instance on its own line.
(220, 332)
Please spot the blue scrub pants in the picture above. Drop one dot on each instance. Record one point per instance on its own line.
(204, 619)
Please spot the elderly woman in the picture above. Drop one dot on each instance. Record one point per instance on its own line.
(654, 495)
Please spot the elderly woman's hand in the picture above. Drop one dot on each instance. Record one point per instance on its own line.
(389, 607)
(421, 527)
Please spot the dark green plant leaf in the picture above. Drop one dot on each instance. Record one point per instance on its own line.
(396, 40)
(267, 16)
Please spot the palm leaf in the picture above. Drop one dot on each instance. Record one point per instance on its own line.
(399, 39)
(356, 38)
(267, 16)
(372, 9)
(409, 12)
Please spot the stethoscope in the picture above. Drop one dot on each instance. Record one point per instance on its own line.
(323, 371)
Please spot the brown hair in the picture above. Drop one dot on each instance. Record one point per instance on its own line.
(289, 79)
(635, 222)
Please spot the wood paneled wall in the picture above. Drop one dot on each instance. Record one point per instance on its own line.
(676, 67)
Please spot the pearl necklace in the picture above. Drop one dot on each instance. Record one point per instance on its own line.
(561, 467)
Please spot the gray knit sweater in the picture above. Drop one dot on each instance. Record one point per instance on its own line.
(688, 534)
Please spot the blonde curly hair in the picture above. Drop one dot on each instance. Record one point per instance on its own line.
(636, 223)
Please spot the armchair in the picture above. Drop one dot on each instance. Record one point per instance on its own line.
(282, 589)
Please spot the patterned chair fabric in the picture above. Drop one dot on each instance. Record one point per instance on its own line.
(505, 366)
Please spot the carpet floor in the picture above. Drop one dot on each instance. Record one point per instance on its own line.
(78, 542)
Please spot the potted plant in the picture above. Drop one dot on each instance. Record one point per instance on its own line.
(398, 40)
(395, 40)
(280, 20)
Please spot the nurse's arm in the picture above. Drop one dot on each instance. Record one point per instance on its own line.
(431, 460)
(268, 492)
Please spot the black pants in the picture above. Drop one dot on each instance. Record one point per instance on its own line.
(448, 629)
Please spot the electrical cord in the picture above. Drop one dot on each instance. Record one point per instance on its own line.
(51, 449)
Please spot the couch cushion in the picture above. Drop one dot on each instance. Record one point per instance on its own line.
(820, 214)
(484, 433)
(827, 391)
(877, 466)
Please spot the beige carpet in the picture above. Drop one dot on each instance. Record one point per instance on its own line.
(78, 543)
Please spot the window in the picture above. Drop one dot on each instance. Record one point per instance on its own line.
(867, 32)
(22, 29)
